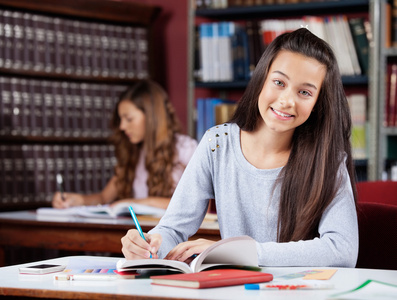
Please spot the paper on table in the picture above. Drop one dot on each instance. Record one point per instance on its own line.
(369, 290)
(324, 274)
(82, 263)
(101, 211)
(311, 273)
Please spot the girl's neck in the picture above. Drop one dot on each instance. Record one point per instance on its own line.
(266, 149)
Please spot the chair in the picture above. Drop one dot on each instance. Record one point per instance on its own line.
(377, 224)
(384, 192)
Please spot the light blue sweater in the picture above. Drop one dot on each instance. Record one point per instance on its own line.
(247, 205)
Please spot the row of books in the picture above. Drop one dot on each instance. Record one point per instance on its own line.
(347, 36)
(211, 112)
(31, 107)
(229, 51)
(41, 43)
(223, 50)
(390, 116)
(28, 171)
(214, 4)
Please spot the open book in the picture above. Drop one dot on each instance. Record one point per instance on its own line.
(231, 252)
(102, 211)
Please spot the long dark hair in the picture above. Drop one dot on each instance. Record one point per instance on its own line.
(160, 139)
(310, 177)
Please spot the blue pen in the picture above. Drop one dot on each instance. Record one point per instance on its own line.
(138, 227)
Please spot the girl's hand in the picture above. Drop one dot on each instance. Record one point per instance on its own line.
(184, 251)
(135, 247)
(70, 199)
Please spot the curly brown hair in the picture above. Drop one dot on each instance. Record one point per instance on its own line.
(161, 126)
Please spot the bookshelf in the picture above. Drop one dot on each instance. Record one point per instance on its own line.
(62, 66)
(385, 135)
(362, 83)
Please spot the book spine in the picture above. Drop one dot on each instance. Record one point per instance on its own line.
(87, 49)
(131, 48)
(47, 66)
(105, 51)
(394, 23)
(39, 39)
(25, 107)
(39, 173)
(6, 105)
(96, 170)
(79, 48)
(200, 122)
(205, 46)
(77, 166)
(17, 23)
(142, 55)
(349, 44)
(113, 50)
(49, 173)
(69, 169)
(16, 107)
(358, 103)
(58, 105)
(7, 176)
(68, 52)
(59, 46)
(8, 39)
(215, 62)
(123, 53)
(50, 60)
(48, 113)
(59, 164)
(2, 38)
(28, 42)
(104, 164)
(77, 116)
(391, 117)
(29, 173)
(95, 49)
(85, 110)
(361, 44)
(67, 110)
(87, 169)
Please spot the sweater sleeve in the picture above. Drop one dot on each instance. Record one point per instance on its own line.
(189, 202)
(337, 244)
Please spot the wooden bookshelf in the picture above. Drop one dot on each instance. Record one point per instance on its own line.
(62, 66)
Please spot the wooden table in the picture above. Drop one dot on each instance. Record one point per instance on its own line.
(27, 229)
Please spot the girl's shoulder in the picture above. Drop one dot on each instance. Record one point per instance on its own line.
(221, 135)
(184, 141)
(185, 147)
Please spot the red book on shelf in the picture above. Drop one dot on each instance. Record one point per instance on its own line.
(212, 278)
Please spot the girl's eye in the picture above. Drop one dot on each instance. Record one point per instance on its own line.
(278, 82)
(305, 93)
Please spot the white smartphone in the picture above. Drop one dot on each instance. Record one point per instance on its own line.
(42, 269)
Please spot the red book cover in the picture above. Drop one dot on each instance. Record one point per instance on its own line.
(212, 278)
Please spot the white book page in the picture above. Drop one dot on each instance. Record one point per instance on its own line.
(239, 251)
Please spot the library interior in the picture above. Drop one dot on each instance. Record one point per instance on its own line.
(64, 68)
